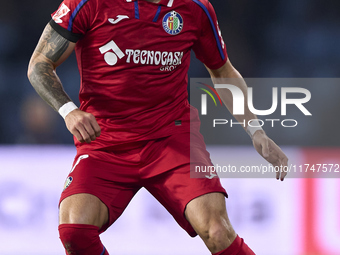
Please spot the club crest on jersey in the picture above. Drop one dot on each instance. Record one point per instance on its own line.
(68, 182)
(173, 23)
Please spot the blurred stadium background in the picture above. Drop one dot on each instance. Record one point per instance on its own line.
(275, 39)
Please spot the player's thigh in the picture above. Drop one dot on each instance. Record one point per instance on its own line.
(98, 188)
(207, 212)
(175, 189)
(83, 209)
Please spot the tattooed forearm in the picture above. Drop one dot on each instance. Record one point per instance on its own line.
(47, 84)
(51, 44)
(51, 51)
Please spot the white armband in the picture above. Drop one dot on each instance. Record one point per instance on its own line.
(252, 127)
(66, 109)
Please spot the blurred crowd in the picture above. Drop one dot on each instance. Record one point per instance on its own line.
(282, 38)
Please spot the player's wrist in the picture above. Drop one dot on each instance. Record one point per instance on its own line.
(66, 109)
(253, 127)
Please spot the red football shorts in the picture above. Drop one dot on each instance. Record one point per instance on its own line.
(162, 166)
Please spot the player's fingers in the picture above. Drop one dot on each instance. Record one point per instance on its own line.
(76, 133)
(277, 165)
(95, 126)
(283, 175)
(281, 167)
(81, 129)
(90, 131)
(278, 172)
(284, 161)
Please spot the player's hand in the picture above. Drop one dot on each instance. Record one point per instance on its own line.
(82, 125)
(269, 150)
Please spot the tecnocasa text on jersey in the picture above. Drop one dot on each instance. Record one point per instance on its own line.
(147, 57)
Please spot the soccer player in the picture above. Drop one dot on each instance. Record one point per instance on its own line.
(132, 128)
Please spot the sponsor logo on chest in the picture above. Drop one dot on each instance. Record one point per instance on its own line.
(168, 61)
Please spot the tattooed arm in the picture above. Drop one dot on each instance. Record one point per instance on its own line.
(51, 51)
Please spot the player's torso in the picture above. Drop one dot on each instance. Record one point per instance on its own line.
(133, 63)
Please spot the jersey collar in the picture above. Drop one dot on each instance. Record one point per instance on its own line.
(167, 3)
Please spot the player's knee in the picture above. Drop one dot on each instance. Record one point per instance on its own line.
(214, 232)
(218, 234)
(80, 239)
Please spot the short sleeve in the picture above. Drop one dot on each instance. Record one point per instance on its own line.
(210, 47)
(73, 18)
